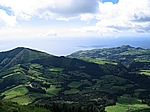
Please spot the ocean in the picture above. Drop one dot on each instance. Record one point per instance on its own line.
(64, 46)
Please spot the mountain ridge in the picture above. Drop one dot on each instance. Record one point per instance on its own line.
(33, 77)
(9, 58)
(124, 54)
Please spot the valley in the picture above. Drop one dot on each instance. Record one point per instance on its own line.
(98, 80)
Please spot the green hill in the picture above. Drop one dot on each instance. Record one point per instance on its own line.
(19, 55)
(136, 60)
(31, 77)
(124, 54)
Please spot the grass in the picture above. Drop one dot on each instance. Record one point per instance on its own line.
(71, 91)
(31, 77)
(33, 72)
(35, 66)
(97, 85)
(126, 103)
(129, 85)
(99, 60)
(7, 76)
(86, 82)
(16, 91)
(56, 69)
(53, 90)
(74, 84)
(138, 91)
(38, 79)
(23, 100)
(145, 72)
(112, 79)
(17, 94)
(34, 96)
(10, 71)
(83, 75)
(111, 83)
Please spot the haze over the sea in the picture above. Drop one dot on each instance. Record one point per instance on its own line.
(66, 46)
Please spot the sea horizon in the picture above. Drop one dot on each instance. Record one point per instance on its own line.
(66, 46)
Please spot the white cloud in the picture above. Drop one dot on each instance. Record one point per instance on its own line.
(74, 7)
(126, 16)
(48, 34)
(87, 17)
(120, 16)
(10, 33)
(25, 9)
(68, 9)
(7, 20)
(50, 9)
(51, 33)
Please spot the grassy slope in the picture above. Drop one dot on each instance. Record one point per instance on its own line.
(19, 55)
(57, 75)
(123, 54)
(7, 106)
(126, 55)
(127, 103)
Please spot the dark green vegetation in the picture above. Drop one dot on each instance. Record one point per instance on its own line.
(7, 106)
(86, 81)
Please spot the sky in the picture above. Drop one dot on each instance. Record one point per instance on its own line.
(29, 22)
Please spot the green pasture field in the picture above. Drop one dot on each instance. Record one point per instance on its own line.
(56, 69)
(74, 84)
(4, 73)
(111, 83)
(99, 60)
(18, 94)
(16, 91)
(31, 77)
(35, 66)
(138, 91)
(113, 79)
(45, 80)
(17, 68)
(53, 90)
(129, 85)
(142, 72)
(84, 75)
(126, 103)
(142, 59)
(97, 85)
(23, 100)
(86, 82)
(34, 72)
(71, 91)
(7, 76)
(145, 72)
(33, 96)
